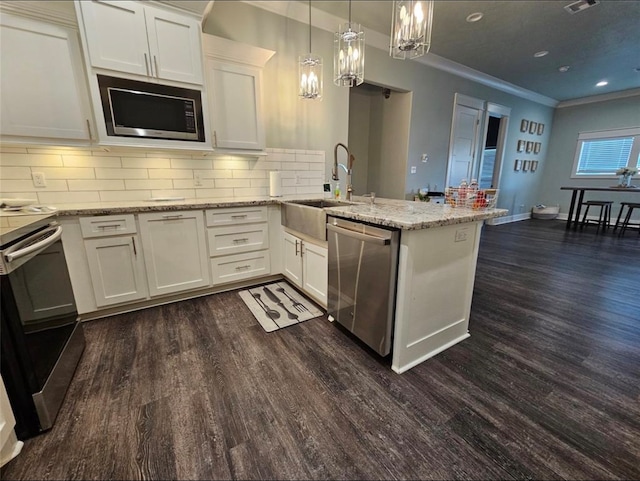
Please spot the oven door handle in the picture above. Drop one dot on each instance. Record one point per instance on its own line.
(15, 252)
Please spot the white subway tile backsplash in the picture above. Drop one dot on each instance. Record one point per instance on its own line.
(214, 174)
(66, 172)
(28, 160)
(27, 186)
(170, 174)
(145, 163)
(97, 185)
(86, 175)
(186, 193)
(91, 161)
(190, 184)
(233, 164)
(232, 183)
(191, 163)
(124, 195)
(15, 173)
(214, 193)
(67, 197)
(121, 173)
(251, 192)
(134, 184)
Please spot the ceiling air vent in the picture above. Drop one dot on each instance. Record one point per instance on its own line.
(580, 5)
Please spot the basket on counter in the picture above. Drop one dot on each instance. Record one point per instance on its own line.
(472, 199)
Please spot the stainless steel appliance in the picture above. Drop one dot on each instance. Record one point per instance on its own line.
(140, 109)
(363, 266)
(42, 338)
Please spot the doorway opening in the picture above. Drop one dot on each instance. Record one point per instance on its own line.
(379, 120)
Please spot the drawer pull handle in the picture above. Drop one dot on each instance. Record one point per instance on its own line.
(238, 241)
(243, 216)
(109, 226)
(241, 268)
(174, 216)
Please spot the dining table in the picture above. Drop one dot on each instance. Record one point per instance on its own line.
(578, 196)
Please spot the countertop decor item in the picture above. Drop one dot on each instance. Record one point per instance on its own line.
(626, 173)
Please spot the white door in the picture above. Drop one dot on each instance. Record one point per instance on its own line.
(463, 148)
(235, 105)
(43, 88)
(315, 268)
(292, 259)
(116, 35)
(117, 269)
(174, 45)
(175, 251)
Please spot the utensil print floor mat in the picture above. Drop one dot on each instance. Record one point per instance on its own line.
(278, 305)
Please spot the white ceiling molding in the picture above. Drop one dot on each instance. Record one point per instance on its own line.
(600, 98)
(299, 12)
(61, 13)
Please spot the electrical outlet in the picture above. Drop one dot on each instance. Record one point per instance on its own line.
(414, 169)
(197, 180)
(39, 179)
(425, 158)
(461, 235)
(297, 179)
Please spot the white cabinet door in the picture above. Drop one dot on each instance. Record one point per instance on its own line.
(116, 35)
(175, 251)
(315, 271)
(43, 88)
(174, 46)
(292, 259)
(235, 105)
(117, 269)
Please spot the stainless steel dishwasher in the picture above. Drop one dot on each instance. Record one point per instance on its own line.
(363, 267)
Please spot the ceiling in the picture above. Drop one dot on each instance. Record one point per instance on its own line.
(598, 43)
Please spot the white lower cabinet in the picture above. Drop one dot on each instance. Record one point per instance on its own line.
(238, 239)
(175, 251)
(305, 265)
(116, 264)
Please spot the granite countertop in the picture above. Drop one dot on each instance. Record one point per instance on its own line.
(401, 214)
(410, 215)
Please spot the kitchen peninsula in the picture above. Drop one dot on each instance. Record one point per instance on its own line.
(437, 258)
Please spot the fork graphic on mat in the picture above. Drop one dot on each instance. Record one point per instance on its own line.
(298, 306)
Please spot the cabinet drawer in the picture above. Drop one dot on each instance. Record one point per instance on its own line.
(107, 225)
(240, 266)
(236, 239)
(236, 215)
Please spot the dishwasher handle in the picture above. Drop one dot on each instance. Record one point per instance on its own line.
(359, 235)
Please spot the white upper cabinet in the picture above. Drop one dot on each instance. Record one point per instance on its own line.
(234, 84)
(140, 39)
(43, 93)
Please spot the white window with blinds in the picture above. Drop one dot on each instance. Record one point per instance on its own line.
(600, 154)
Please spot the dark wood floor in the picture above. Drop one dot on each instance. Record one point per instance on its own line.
(547, 387)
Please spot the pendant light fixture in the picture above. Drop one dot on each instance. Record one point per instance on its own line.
(310, 72)
(348, 55)
(411, 28)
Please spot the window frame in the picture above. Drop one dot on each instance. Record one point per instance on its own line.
(602, 135)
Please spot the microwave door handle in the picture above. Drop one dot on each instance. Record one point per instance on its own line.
(12, 255)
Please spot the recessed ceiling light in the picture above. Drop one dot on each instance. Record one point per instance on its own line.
(474, 17)
(602, 83)
(564, 68)
(541, 53)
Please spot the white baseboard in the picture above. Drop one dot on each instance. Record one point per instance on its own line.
(509, 218)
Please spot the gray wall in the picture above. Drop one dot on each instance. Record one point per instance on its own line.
(568, 122)
(292, 123)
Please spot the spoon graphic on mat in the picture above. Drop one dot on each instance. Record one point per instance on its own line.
(277, 300)
(272, 313)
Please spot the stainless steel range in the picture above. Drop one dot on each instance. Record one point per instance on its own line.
(42, 338)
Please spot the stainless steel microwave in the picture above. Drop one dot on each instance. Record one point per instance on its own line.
(141, 109)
